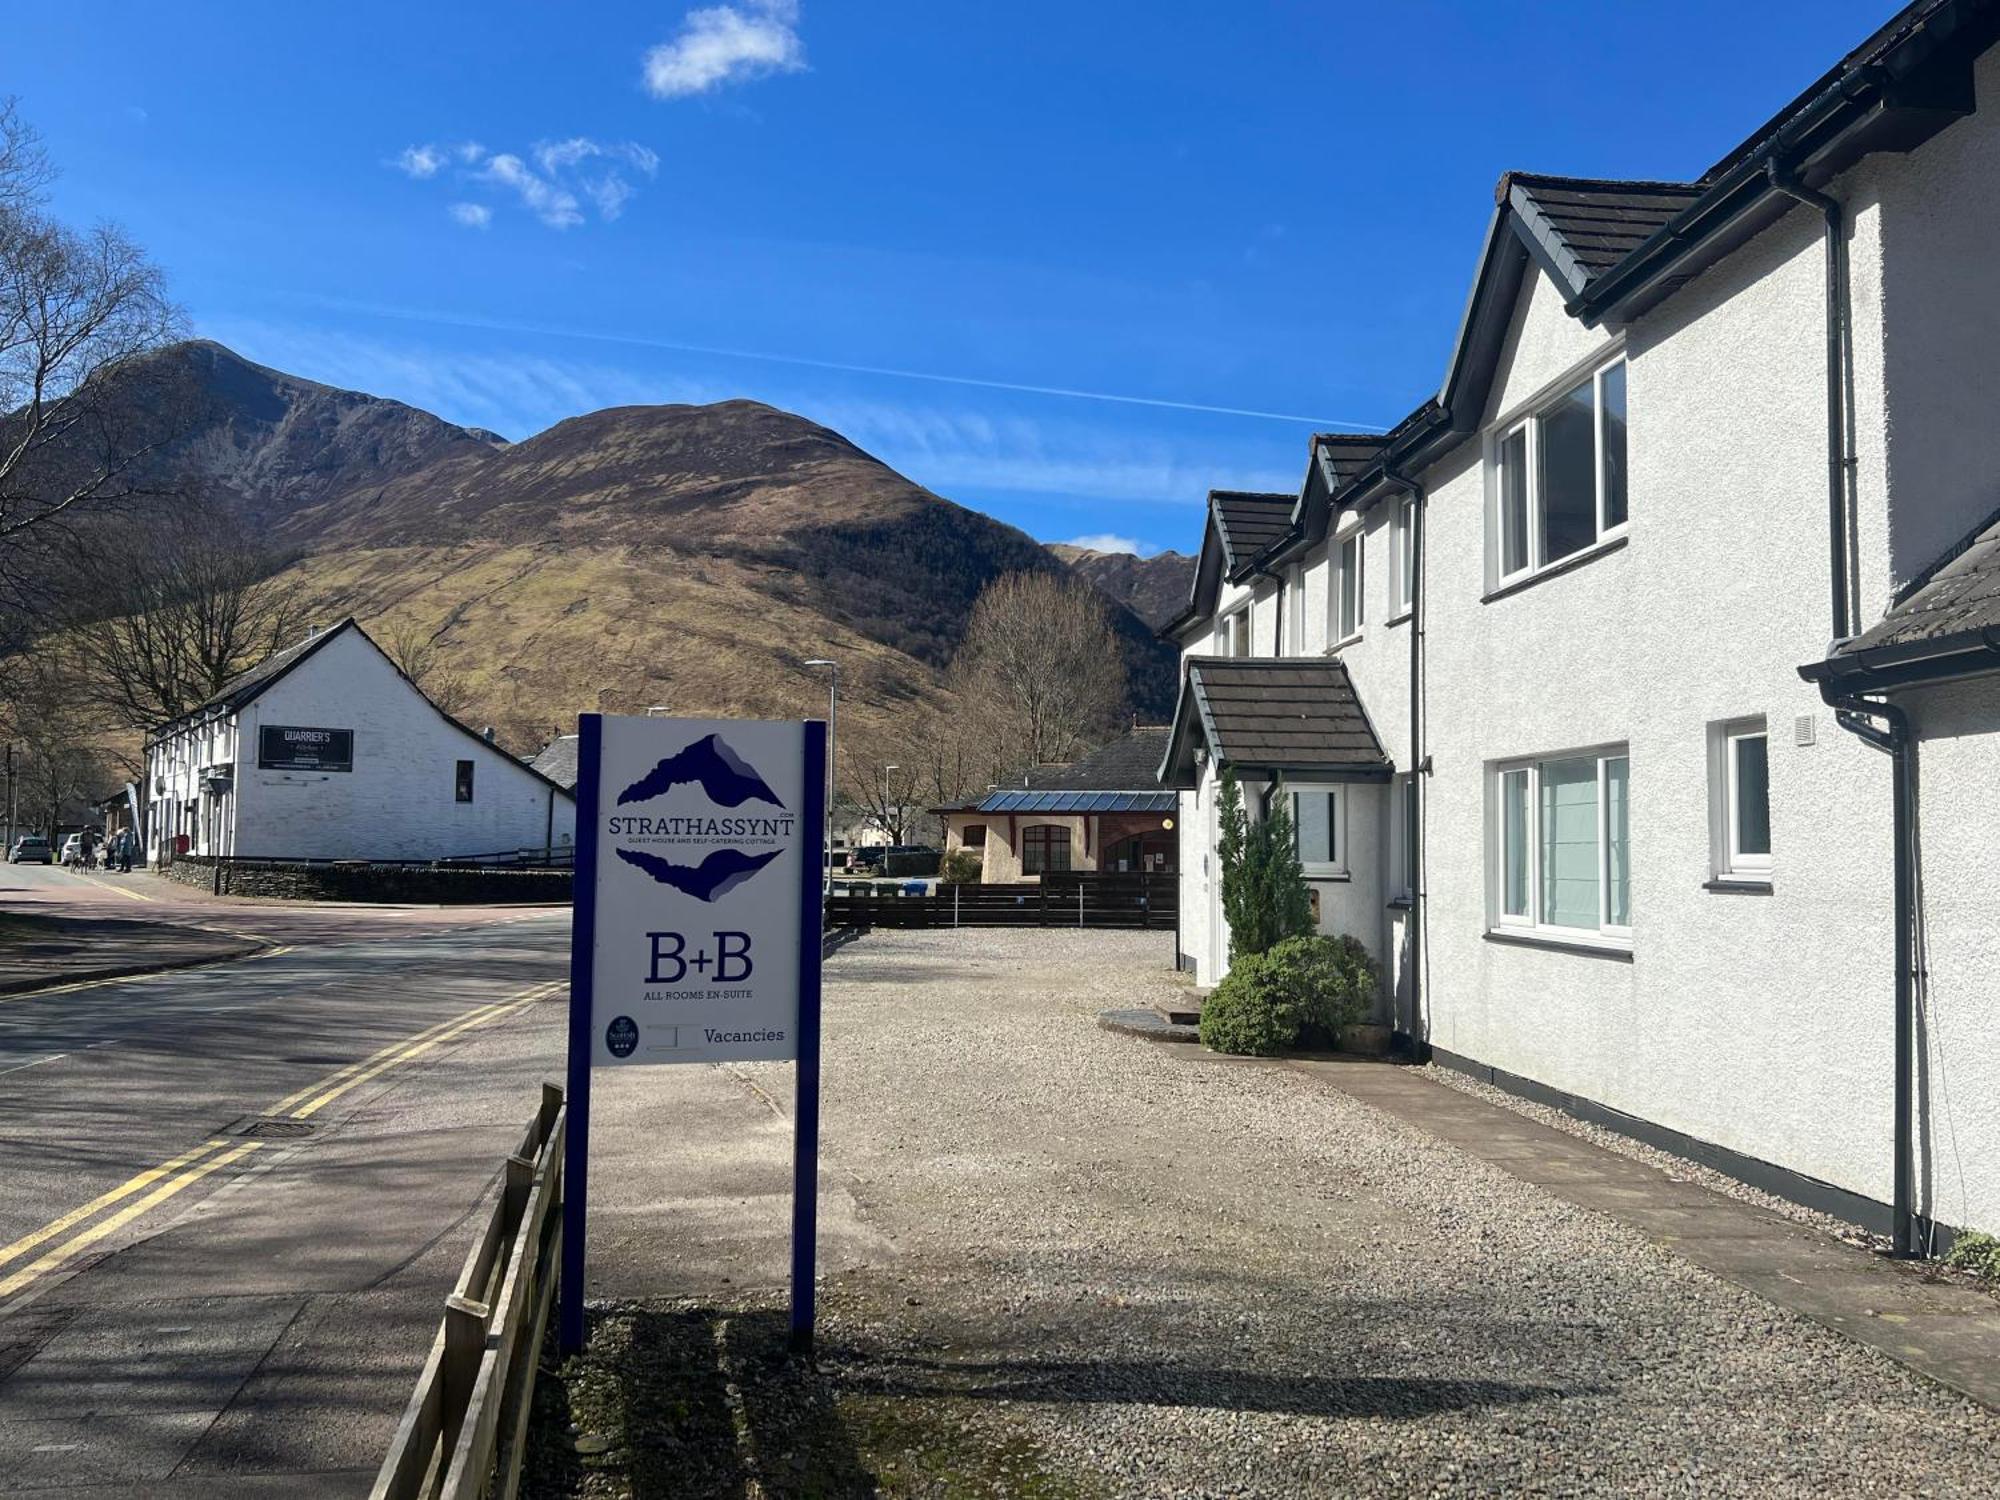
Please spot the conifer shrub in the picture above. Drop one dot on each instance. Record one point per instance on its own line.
(1328, 981)
(1247, 1013)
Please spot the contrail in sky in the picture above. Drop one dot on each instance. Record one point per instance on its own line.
(504, 325)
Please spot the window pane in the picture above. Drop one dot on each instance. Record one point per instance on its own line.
(1514, 842)
(1617, 842)
(1611, 386)
(1753, 794)
(1313, 827)
(1514, 502)
(1407, 554)
(1569, 843)
(1569, 475)
(1350, 586)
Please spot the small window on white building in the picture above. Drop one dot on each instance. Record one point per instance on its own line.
(1740, 799)
(1562, 838)
(464, 781)
(1404, 534)
(1319, 829)
(1236, 633)
(1559, 482)
(1295, 610)
(1345, 594)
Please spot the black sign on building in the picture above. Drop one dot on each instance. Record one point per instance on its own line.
(286, 747)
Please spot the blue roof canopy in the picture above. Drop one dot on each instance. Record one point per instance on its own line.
(1078, 802)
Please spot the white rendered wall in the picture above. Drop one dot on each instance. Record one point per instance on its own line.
(1756, 1022)
(1958, 1090)
(399, 801)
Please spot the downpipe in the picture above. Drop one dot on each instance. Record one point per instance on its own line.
(1892, 737)
(1420, 1047)
(1838, 456)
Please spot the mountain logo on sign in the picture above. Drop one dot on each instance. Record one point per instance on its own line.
(715, 876)
(727, 779)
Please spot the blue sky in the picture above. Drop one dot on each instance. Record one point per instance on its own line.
(950, 231)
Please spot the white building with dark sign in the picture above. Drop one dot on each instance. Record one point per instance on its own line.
(327, 751)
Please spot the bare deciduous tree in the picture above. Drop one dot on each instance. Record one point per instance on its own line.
(58, 767)
(889, 792)
(419, 655)
(173, 610)
(82, 407)
(1040, 669)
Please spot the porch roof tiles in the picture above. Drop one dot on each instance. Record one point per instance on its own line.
(1295, 716)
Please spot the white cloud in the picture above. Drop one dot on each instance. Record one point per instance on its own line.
(722, 44)
(420, 162)
(1104, 541)
(553, 189)
(554, 205)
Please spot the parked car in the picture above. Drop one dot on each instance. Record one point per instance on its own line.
(31, 849)
(72, 851)
(866, 860)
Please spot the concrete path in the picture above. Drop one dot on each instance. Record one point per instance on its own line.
(1939, 1328)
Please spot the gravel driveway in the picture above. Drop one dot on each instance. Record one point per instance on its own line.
(1192, 1275)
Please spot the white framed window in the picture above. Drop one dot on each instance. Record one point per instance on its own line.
(1319, 829)
(1295, 610)
(1562, 840)
(1345, 615)
(1405, 837)
(1236, 633)
(1740, 798)
(1559, 475)
(1403, 534)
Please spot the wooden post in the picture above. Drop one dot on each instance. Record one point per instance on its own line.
(464, 1346)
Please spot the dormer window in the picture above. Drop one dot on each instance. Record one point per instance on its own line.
(1236, 633)
(1560, 475)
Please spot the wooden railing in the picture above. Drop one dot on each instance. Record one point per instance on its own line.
(464, 1431)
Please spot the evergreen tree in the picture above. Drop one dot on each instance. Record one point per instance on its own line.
(1264, 894)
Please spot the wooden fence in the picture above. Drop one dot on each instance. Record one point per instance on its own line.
(464, 1431)
(1075, 899)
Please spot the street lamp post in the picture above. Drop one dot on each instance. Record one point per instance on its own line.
(832, 759)
(656, 708)
(887, 767)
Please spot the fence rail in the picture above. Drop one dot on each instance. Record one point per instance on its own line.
(1078, 899)
(463, 1434)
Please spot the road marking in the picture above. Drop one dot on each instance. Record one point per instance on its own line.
(187, 1178)
(413, 1048)
(124, 1189)
(23, 1067)
(135, 895)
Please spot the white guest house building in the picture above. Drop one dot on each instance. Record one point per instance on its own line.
(1547, 671)
(327, 751)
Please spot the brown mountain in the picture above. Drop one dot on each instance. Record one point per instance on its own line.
(1154, 588)
(693, 556)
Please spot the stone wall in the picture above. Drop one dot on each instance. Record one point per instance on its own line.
(416, 885)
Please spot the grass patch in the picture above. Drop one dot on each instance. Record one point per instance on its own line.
(699, 1401)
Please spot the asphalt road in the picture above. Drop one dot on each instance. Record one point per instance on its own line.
(189, 1309)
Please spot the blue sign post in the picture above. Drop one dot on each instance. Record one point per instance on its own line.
(696, 935)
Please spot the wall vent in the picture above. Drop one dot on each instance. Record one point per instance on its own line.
(1806, 730)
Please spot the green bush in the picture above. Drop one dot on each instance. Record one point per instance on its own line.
(1974, 1252)
(1247, 1013)
(1330, 981)
(1305, 986)
(962, 867)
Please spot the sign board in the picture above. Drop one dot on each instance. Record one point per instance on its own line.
(696, 934)
(288, 747)
(701, 836)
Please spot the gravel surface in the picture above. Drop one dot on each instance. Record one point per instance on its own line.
(1182, 1274)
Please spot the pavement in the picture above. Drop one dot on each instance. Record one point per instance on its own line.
(187, 1309)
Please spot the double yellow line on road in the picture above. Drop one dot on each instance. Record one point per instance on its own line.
(154, 1186)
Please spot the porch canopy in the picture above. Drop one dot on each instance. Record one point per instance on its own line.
(1298, 718)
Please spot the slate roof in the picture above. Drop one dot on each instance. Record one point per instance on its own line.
(1345, 455)
(1295, 715)
(557, 761)
(1019, 801)
(1126, 764)
(1947, 624)
(1580, 227)
(1248, 522)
